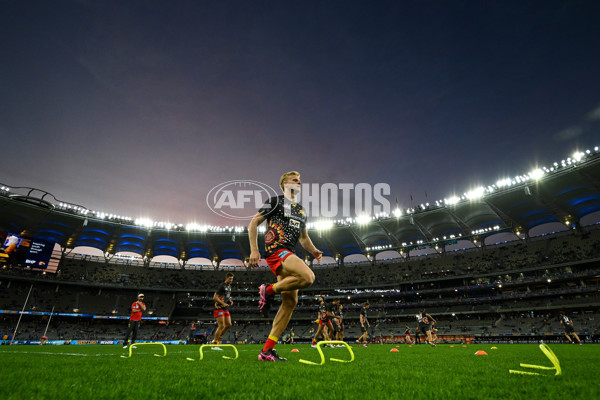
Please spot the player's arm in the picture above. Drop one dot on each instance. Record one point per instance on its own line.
(218, 300)
(431, 318)
(253, 237)
(362, 320)
(142, 306)
(309, 246)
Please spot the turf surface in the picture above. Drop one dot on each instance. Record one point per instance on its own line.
(417, 372)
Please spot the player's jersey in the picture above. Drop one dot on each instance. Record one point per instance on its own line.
(422, 318)
(135, 315)
(363, 312)
(565, 320)
(407, 332)
(224, 292)
(323, 312)
(338, 313)
(285, 222)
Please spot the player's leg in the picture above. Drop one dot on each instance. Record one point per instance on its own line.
(568, 337)
(284, 314)
(226, 324)
(127, 333)
(295, 274)
(136, 327)
(219, 331)
(319, 332)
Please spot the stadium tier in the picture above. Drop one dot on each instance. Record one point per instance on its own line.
(498, 267)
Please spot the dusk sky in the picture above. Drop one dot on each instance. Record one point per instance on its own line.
(139, 108)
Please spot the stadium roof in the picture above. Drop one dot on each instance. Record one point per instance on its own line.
(563, 197)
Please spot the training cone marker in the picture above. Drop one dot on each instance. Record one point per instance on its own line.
(326, 342)
(295, 351)
(481, 353)
(551, 356)
(452, 346)
(494, 348)
(394, 350)
(147, 344)
(464, 345)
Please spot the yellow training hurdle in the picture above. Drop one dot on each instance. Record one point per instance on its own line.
(551, 356)
(320, 350)
(146, 344)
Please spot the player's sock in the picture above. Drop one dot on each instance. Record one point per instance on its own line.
(271, 342)
(271, 289)
(314, 342)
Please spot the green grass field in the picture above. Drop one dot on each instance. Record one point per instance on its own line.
(418, 372)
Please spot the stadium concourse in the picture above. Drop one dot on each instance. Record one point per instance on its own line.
(498, 267)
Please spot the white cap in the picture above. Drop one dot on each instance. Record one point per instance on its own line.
(140, 295)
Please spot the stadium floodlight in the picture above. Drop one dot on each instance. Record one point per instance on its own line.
(397, 213)
(145, 222)
(262, 228)
(537, 174)
(578, 155)
(452, 200)
(323, 224)
(363, 219)
(475, 193)
(196, 227)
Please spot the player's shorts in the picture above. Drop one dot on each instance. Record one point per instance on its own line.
(335, 327)
(221, 313)
(569, 329)
(424, 328)
(276, 259)
(363, 329)
(324, 321)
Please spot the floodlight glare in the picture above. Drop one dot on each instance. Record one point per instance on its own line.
(536, 174)
(363, 219)
(323, 224)
(475, 193)
(452, 200)
(145, 222)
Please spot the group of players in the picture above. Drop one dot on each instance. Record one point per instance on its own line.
(286, 226)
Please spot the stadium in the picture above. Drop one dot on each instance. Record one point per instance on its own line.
(493, 267)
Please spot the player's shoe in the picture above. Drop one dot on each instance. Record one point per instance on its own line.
(313, 345)
(264, 303)
(124, 346)
(270, 355)
(432, 344)
(365, 345)
(216, 348)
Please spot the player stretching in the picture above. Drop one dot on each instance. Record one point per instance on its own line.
(325, 326)
(222, 298)
(364, 320)
(424, 320)
(135, 319)
(568, 324)
(286, 225)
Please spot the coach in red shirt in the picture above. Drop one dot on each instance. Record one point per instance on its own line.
(135, 319)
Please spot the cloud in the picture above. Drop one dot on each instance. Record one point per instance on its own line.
(593, 115)
(569, 133)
